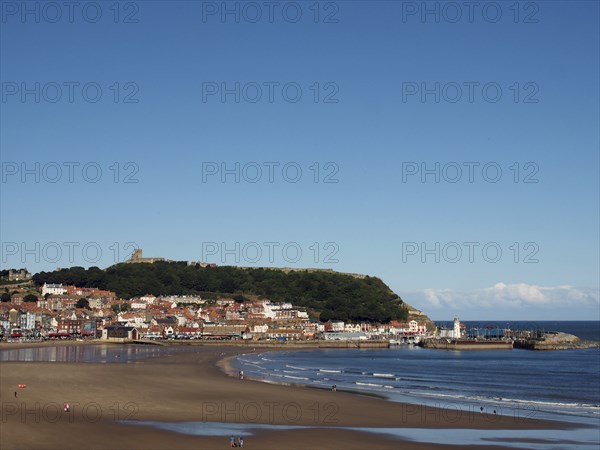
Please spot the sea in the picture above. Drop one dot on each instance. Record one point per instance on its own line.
(525, 384)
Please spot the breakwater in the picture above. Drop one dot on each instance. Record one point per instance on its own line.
(549, 340)
(554, 340)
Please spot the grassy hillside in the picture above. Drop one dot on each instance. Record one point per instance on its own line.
(332, 295)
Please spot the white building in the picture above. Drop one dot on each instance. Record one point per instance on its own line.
(337, 325)
(268, 309)
(195, 299)
(352, 328)
(53, 289)
(138, 304)
(281, 306)
(260, 328)
(416, 328)
(27, 321)
(457, 333)
(148, 299)
(344, 336)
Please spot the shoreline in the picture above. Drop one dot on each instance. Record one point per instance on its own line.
(228, 370)
(195, 387)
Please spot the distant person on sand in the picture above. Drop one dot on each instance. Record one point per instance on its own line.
(15, 394)
(481, 409)
(240, 441)
(232, 441)
(241, 374)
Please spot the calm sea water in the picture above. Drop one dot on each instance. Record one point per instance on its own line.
(523, 383)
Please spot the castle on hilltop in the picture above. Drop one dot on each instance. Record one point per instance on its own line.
(137, 257)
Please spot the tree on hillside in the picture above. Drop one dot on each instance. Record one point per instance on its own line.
(325, 316)
(120, 307)
(30, 298)
(239, 298)
(83, 303)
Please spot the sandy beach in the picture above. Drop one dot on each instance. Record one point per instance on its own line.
(191, 387)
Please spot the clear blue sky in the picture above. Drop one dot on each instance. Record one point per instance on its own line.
(377, 57)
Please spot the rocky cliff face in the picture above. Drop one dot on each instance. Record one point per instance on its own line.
(419, 316)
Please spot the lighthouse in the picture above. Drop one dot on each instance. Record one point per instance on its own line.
(456, 333)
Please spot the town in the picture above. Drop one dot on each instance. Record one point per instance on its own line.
(64, 312)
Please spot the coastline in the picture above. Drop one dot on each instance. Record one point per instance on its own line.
(194, 387)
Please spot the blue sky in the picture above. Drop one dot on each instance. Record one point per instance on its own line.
(528, 105)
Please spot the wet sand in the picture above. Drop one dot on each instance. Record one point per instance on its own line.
(190, 387)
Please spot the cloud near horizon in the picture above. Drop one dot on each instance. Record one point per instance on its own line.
(510, 297)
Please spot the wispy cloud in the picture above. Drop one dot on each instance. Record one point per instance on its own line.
(503, 296)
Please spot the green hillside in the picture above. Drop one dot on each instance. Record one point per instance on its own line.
(332, 295)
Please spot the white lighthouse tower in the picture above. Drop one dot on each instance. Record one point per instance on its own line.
(456, 333)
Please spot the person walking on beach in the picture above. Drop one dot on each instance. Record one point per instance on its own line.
(15, 394)
(240, 441)
(241, 374)
(232, 441)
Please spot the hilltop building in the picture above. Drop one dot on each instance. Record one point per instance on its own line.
(137, 257)
(19, 275)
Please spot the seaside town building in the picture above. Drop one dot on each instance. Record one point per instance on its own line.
(53, 289)
(119, 334)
